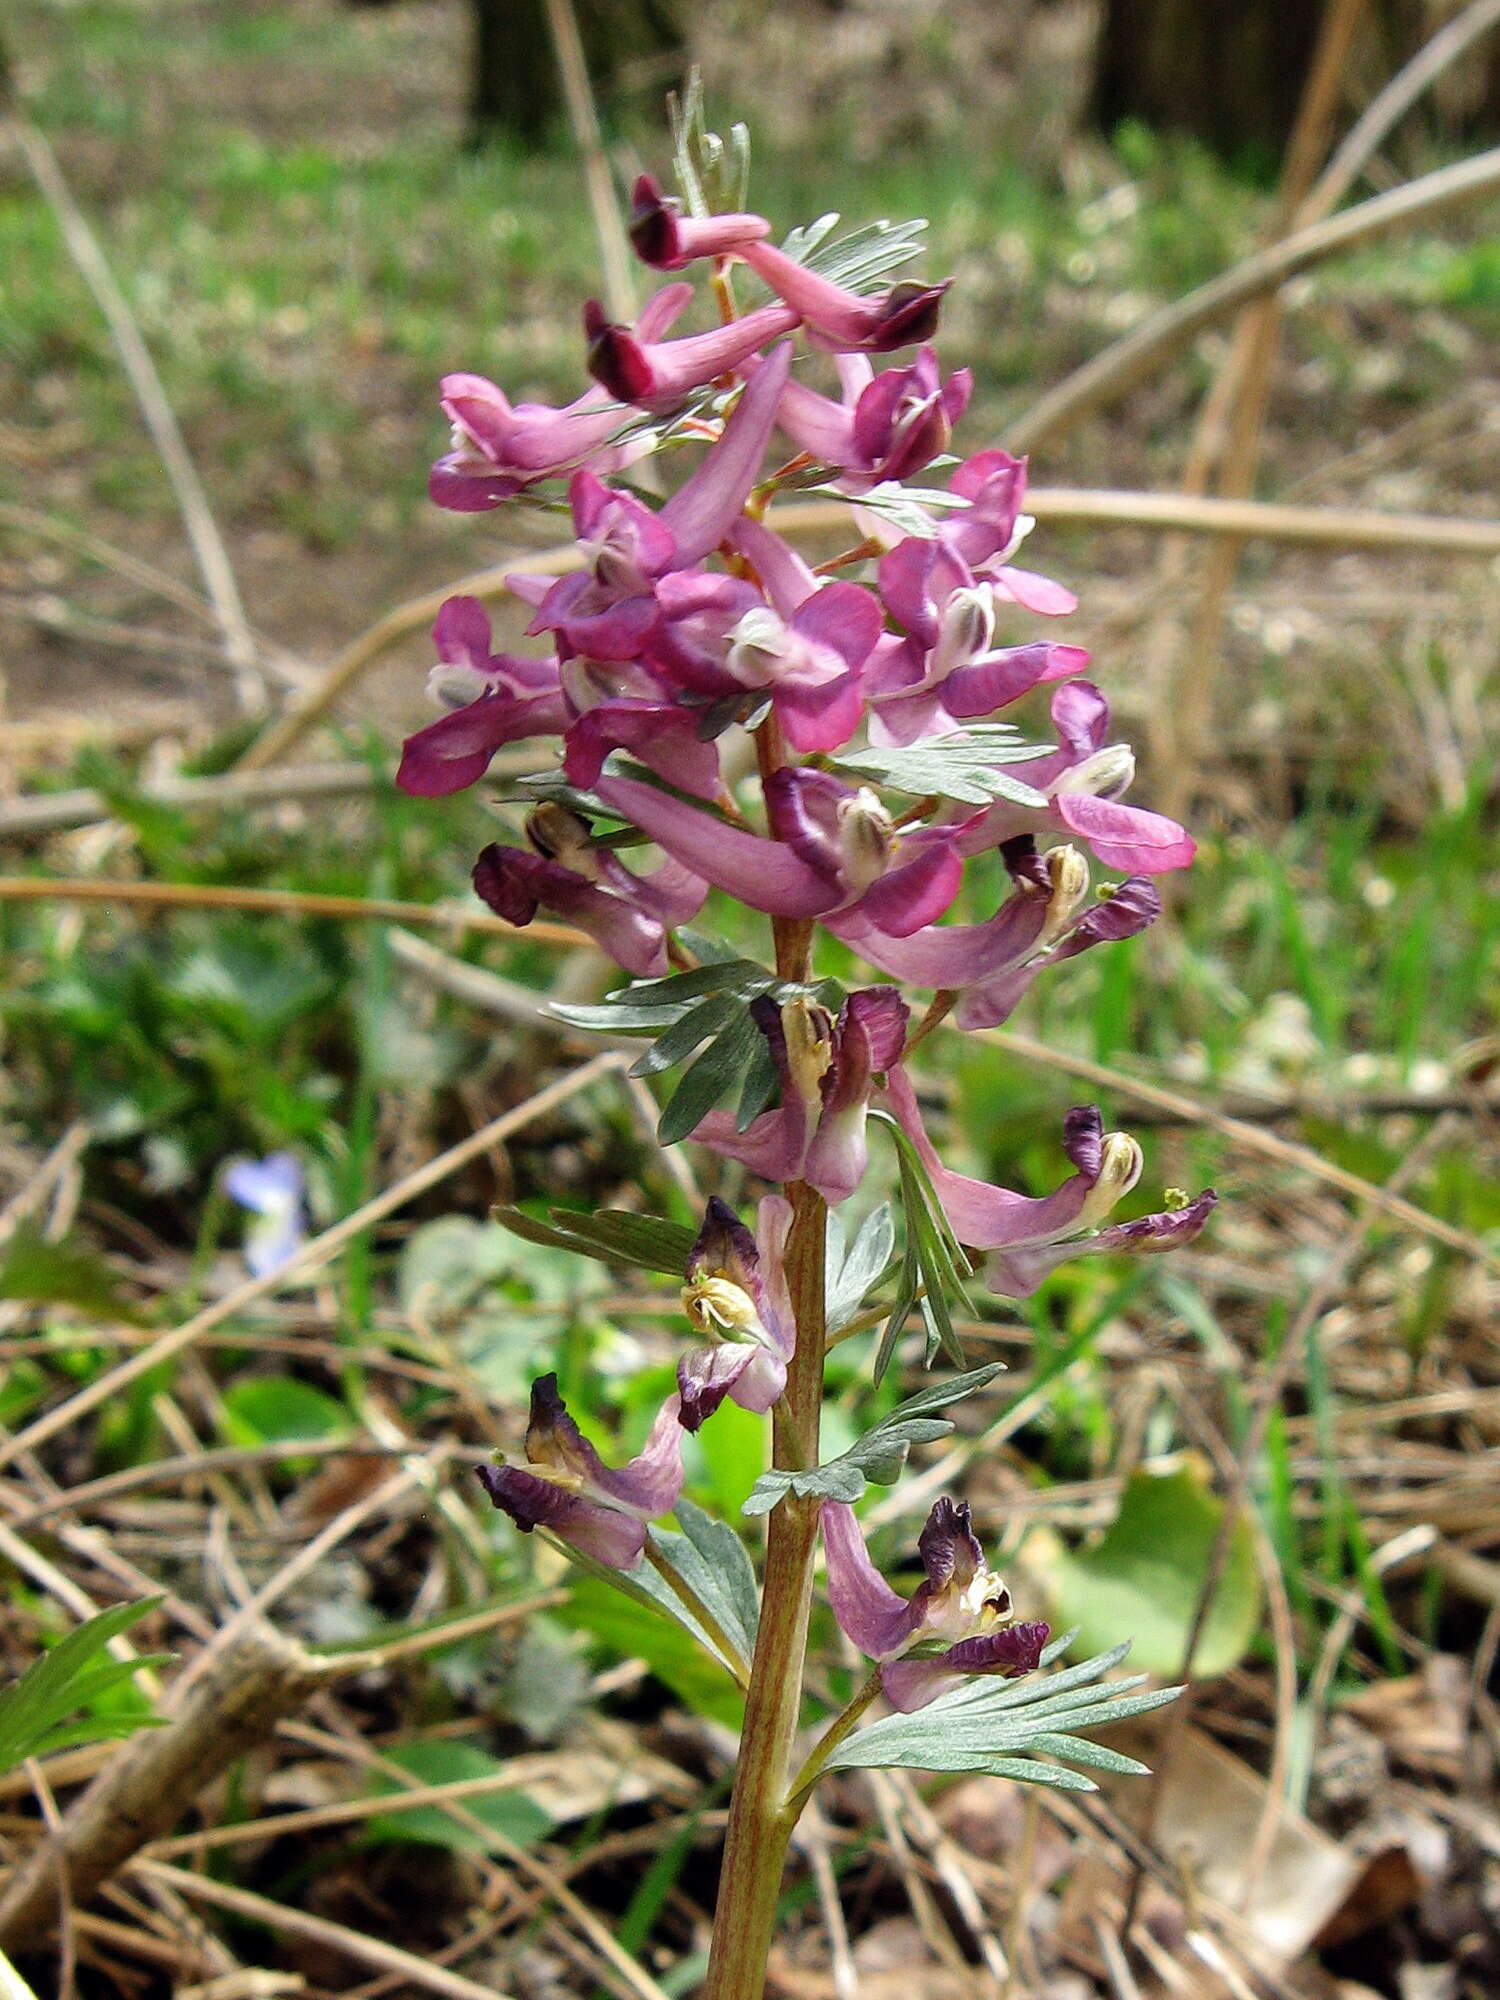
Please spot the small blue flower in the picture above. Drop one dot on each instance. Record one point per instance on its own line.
(274, 1191)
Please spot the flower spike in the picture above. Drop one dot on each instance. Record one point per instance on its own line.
(566, 1487)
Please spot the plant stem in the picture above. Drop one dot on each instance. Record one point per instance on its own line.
(760, 1824)
(830, 1740)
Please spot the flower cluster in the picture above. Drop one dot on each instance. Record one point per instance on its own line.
(678, 630)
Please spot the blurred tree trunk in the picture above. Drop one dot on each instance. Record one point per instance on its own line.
(515, 88)
(1230, 72)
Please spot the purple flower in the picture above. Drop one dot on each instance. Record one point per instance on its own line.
(842, 320)
(720, 638)
(887, 426)
(608, 610)
(1016, 1274)
(667, 239)
(657, 374)
(1083, 780)
(889, 882)
(736, 1296)
(274, 1192)
(1032, 1235)
(960, 1615)
(628, 916)
(566, 1487)
(1106, 1167)
(500, 448)
(493, 698)
(827, 1071)
(989, 966)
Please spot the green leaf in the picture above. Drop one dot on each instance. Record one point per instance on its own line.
(505, 1817)
(74, 1673)
(854, 1271)
(709, 1078)
(700, 1024)
(613, 1236)
(712, 1560)
(863, 260)
(1147, 1573)
(61, 1274)
(1006, 1727)
(880, 1455)
(279, 1408)
(964, 767)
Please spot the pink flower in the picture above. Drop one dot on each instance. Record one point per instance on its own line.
(666, 238)
(494, 698)
(658, 374)
(887, 426)
(840, 319)
(736, 1295)
(566, 1487)
(960, 1613)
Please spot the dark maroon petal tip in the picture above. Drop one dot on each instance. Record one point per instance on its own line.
(497, 882)
(616, 359)
(1083, 1139)
(654, 234)
(910, 314)
(1015, 1651)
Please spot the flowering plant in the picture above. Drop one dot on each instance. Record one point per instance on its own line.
(825, 746)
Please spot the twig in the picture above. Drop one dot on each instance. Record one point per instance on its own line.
(275, 903)
(1249, 1138)
(1129, 360)
(317, 1250)
(315, 701)
(578, 92)
(256, 1680)
(1390, 106)
(419, 1972)
(57, 812)
(135, 358)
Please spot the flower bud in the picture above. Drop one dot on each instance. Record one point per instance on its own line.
(1104, 775)
(1068, 873)
(865, 836)
(968, 629)
(558, 834)
(757, 647)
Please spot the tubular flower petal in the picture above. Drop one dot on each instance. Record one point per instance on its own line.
(887, 426)
(657, 374)
(827, 1072)
(500, 448)
(493, 699)
(628, 916)
(982, 1217)
(566, 1486)
(736, 1295)
(840, 319)
(960, 1613)
(1016, 1274)
(665, 238)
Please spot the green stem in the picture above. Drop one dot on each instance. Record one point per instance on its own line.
(829, 1741)
(760, 1821)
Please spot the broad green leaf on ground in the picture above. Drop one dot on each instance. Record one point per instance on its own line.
(279, 1409)
(504, 1818)
(61, 1274)
(1006, 1728)
(77, 1671)
(1145, 1575)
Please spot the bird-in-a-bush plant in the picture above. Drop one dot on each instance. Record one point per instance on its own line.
(828, 747)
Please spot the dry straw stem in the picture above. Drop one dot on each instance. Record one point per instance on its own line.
(1127, 361)
(135, 358)
(420, 1973)
(316, 1251)
(1341, 527)
(275, 903)
(614, 245)
(252, 1683)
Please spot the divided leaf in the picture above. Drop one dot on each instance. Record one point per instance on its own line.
(854, 1271)
(77, 1671)
(963, 767)
(880, 1455)
(1005, 1727)
(612, 1235)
